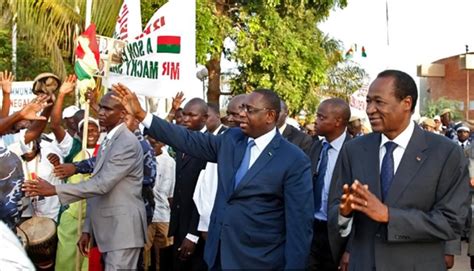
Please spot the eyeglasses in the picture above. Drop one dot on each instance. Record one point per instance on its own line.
(250, 109)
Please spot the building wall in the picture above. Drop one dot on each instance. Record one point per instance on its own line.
(453, 85)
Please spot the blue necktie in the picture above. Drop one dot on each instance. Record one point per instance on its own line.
(244, 166)
(387, 170)
(319, 178)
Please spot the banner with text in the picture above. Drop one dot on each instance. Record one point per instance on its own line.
(21, 94)
(161, 61)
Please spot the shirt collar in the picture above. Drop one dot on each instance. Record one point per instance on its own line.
(282, 128)
(337, 143)
(113, 131)
(216, 132)
(402, 139)
(262, 141)
(204, 129)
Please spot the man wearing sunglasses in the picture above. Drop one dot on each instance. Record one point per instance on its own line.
(263, 212)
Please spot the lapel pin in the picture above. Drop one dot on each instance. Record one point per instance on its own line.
(269, 153)
(418, 159)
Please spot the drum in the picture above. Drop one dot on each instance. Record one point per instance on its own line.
(42, 240)
(22, 237)
(46, 83)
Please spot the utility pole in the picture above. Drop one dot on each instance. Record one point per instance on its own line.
(468, 104)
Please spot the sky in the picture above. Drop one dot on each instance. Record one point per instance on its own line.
(420, 31)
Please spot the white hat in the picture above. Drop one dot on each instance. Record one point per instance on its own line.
(463, 128)
(81, 123)
(69, 111)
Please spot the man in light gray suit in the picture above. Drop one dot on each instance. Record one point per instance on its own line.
(115, 211)
(402, 191)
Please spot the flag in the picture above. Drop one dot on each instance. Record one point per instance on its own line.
(169, 44)
(349, 53)
(364, 54)
(87, 60)
(162, 60)
(129, 21)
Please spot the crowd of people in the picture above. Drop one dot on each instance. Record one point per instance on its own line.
(247, 190)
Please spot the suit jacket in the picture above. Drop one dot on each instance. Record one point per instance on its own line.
(266, 222)
(427, 202)
(336, 244)
(115, 209)
(300, 139)
(184, 217)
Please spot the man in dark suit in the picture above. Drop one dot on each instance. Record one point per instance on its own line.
(402, 192)
(263, 212)
(292, 134)
(188, 247)
(332, 119)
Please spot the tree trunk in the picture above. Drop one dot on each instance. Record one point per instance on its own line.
(214, 86)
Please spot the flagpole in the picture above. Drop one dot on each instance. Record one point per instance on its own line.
(88, 13)
(84, 145)
(14, 43)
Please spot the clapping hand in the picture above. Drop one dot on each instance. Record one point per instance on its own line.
(362, 200)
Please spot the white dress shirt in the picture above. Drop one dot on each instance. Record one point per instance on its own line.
(261, 143)
(164, 186)
(205, 192)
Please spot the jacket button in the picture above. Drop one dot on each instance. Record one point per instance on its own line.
(177, 206)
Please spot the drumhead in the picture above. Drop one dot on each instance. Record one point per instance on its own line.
(38, 229)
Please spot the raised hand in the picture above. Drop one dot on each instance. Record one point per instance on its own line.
(30, 110)
(68, 85)
(6, 79)
(129, 100)
(178, 100)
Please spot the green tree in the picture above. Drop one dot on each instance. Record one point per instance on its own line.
(434, 107)
(49, 25)
(343, 80)
(277, 45)
(29, 64)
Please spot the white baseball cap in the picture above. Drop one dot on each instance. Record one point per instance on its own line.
(69, 111)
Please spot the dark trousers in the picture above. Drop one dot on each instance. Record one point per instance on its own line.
(320, 257)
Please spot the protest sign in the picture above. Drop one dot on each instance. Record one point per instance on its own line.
(21, 94)
(161, 60)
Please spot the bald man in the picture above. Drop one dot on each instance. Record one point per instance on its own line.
(188, 246)
(115, 209)
(233, 112)
(331, 123)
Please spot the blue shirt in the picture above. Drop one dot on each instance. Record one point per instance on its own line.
(333, 153)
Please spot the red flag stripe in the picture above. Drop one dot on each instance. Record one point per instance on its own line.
(171, 40)
(90, 34)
